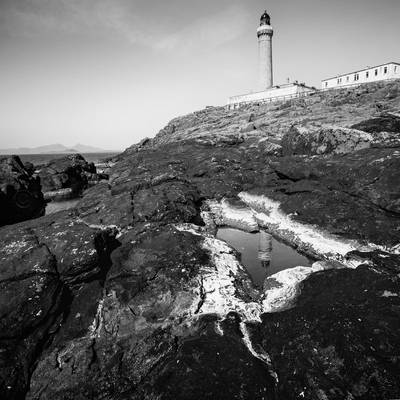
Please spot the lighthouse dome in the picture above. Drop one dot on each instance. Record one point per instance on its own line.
(265, 19)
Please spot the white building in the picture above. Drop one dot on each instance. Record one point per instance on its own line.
(382, 72)
(276, 93)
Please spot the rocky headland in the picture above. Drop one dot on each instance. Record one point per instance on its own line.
(131, 296)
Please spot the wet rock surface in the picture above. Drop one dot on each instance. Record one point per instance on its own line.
(45, 267)
(341, 340)
(21, 196)
(129, 295)
(354, 195)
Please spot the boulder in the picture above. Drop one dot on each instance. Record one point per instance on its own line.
(324, 140)
(384, 129)
(270, 148)
(384, 123)
(72, 172)
(247, 128)
(21, 196)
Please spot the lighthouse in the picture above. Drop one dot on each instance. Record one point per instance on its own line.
(266, 91)
(264, 35)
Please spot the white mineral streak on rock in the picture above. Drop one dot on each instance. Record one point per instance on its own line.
(387, 293)
(235, 217)
(60, 193)
(218, 282)
(218, 328)
(282, 288)
(261, 354)
(220, 294)
(306, 237)
(101, 227)
(15, 247)
(95, 327)
(395, 249)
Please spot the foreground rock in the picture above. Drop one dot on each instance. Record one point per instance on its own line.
(341, 339)
(173, 306)
(130, 295)
(21, 196)
(50, 268)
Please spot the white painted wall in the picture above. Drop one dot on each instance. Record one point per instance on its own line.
(283, 92)
(373, 74)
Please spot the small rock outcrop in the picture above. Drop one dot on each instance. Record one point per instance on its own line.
(324, 140)
(21, 197)
(388, 122)
(385, 129)
(67, 177)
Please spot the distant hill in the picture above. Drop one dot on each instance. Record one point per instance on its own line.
(54, 149)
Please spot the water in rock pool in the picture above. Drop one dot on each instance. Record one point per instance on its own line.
(262, 255)
(55, 206)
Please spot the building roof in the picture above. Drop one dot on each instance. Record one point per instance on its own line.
(265, 19)
(360, 70)
(274, 88)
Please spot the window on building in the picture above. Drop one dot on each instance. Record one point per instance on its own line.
(395, 69)
(356, 77)
(347, 78)
(376, 72)
(326, 84)
(367, 75)
(385, 70)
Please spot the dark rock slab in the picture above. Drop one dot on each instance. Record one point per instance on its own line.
(21, 196)
(45, 267)
(385, 130)
(384, 123)
(355, 195)
(341, 340)
(141, 344)
(212, 366)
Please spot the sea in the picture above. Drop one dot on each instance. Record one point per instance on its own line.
(40, 159)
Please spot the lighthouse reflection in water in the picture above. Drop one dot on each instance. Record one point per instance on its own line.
(264, 248)
(261, 253)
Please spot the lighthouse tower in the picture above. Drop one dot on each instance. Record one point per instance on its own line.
(264, 34)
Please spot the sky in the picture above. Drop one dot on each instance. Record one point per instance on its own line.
(108, 73)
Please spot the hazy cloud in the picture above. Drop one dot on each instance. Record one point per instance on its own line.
(118, 18)
(210, 31)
